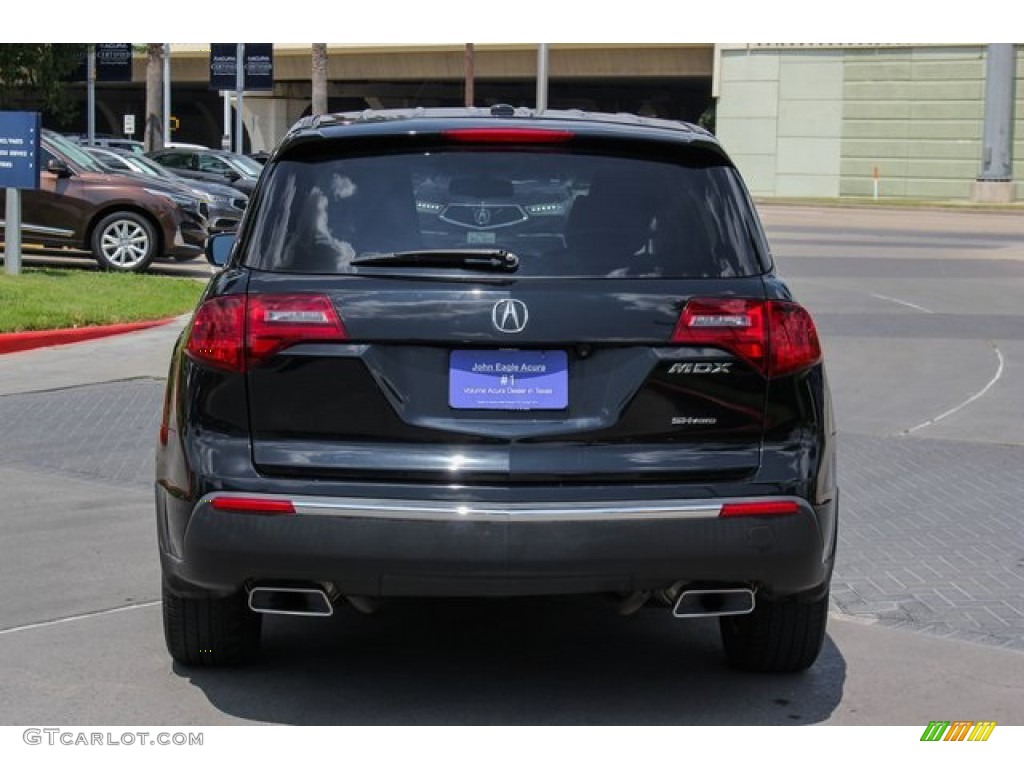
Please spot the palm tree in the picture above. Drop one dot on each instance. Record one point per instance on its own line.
(319, 78)
(153, 136)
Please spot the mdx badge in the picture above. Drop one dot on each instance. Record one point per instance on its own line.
(509, 315)
(701, 368)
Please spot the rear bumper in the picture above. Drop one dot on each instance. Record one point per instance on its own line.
(398, 547)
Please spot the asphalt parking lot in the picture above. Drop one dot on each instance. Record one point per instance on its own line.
(922, 318)
(923, 323)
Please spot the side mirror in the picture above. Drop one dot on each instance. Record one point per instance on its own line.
(218, 248)
(232, 175)
(58, 168)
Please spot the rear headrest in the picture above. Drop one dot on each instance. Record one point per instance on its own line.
(614, 218)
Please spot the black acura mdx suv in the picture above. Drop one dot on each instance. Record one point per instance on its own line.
(402, 384)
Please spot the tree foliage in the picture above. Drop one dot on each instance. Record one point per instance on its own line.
(34, 76)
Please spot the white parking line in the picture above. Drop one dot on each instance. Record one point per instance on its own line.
(904, 303)
(78, 616)
(968, 401)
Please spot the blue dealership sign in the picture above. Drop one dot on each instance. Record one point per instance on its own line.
(19, 150)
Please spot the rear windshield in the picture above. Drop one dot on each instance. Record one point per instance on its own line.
(562, 214)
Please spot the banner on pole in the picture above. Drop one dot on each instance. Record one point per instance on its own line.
(259, 66)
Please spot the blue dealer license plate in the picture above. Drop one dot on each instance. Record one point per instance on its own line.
(508, 380)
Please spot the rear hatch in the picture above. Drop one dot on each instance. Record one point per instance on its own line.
(484, 310)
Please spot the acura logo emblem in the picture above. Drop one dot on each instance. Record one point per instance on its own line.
(509, 315)
(482, 217)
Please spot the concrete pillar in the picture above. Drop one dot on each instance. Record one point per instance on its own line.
(267, 119)
(995, 181)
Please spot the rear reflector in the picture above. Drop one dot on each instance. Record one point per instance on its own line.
(777, 337)
(507, 135)
(746, 508)
(253, 505)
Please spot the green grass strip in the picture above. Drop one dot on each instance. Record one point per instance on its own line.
(44, 299)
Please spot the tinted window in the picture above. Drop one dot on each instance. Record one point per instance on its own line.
(134, 162)
(146, 165)
(212, 164)
(75, 154)
(563, 214)
(111, 161)
(245, 165)
(175, 160)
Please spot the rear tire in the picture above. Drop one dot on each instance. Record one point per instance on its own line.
(210, 631)
(781, 635)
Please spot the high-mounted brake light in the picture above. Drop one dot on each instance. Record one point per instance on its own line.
(507, 135)
(777, 337)
(255, 506)
(747, 508)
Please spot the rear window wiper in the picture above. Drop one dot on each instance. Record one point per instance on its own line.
(488, 259)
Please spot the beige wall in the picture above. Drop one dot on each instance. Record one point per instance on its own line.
(1018, 127)
(779, 116)
(915, 114)
(817, 122)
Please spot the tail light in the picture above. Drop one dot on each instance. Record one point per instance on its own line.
(217, 333)
(793, 340)
(777, 337)
(277, 321)
(234, 332)
(737, 325)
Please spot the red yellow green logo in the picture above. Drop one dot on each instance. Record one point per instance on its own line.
(958, 730)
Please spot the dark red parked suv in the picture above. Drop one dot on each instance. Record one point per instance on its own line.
(124, 222)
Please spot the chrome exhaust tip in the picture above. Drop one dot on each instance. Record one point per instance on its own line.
(290, 601)
(694, 603)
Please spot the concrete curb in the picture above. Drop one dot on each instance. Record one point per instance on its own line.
(20, 342)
